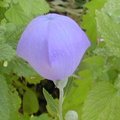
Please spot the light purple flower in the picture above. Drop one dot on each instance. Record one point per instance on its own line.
(53, 45)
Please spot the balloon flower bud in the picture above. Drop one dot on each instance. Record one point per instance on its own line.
(71, 115)
(53, 45)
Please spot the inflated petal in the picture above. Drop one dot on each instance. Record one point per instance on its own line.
(53, 45)
(33, 45)
(67, 44)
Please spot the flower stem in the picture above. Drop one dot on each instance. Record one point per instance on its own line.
(60, 84)
(60, 103)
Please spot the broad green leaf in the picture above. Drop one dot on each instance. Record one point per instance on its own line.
(89, 22)
(113, 10)
(111, 112)
(41, 7)
(22, 12)
(95, 65)
(12, 34)
(52, 104)
(4, 3)
(109, 26)
(93, 62)
(35, 7)
(4, 100)
(9, 101)
(109, 31)
(6, 51)
(102, 103)
(16, 15)
(21, 68)
(30, 102)
(115, 63)
(77, 94)
(15, 103)
(27, 8)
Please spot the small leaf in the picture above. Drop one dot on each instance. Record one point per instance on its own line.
(68, 86)
(34, 79)
(52, 105)
(30, 102)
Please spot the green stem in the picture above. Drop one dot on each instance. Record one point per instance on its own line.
(61, 103)
(60, 84)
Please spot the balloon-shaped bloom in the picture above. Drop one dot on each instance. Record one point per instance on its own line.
(53, 45)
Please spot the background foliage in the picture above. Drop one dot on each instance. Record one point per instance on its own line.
(94, 90)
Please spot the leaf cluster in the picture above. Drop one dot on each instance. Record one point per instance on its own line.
(103, 100)
(14, 16)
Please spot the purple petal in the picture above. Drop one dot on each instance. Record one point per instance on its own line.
(53, 45)
(67, 44)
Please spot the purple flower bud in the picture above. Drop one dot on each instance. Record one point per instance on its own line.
(53, 45)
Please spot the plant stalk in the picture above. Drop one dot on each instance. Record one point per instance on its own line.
(60, 84)
(60, 103)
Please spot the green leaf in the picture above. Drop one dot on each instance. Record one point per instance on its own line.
(9, 101)
(113, 10)
(15, 103)
(12, 33)
(16, 15)
(52, 105)
(35, 7)
(4, 100)
(35, 79)
(102, 103)
(2, 11)
(24, 117)
(4, 4)
(111, 112)
(95, 67)
(30, 102)
(68, 86)
(93, 62)
(77, 94)
(22, 12)
(89, 22)
(21, 68)
(6, 51)
(109, 26)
